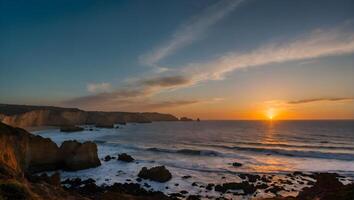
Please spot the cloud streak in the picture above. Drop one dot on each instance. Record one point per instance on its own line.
(99, 87)
(314, 100)
(191, 31)
(317, 44)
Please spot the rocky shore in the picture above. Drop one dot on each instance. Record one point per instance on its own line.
(24, 155)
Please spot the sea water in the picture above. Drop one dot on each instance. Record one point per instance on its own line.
(206, 150)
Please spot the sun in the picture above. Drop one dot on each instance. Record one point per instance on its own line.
(270, 113)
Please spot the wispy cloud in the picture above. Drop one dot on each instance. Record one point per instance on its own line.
(191, 31)
(167, 81)
(303, 101)
(319, 43)
(99, 87)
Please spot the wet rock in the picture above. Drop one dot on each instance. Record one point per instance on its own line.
(251, 178)
(176, 195)
(210, 186)
(194, 184)
(193, 197)
(186, 177)
(183, 192)
(236, 164)
(107, 158)
(69, 129)
(245, 186)
(147, 185)
(261, 186)
(139, 180)
(327, 187)
(176, 184)
(159, 174)
(125, 157)
(274, 189)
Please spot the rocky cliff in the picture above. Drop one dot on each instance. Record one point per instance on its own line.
(22, 153)
(29, 116)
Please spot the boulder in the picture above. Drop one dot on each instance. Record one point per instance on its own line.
(245, 186)
(77, 156)
(125, 157)
(159, 174)
(236, 164)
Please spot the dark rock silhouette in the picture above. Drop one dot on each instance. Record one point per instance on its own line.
(159, 174)
(70, 129)
(125, 157)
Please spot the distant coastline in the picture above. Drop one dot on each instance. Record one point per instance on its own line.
(26, 116)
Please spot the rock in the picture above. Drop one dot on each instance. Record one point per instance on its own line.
(274, 189)
(251, 178)
(194, 197)
(42, 154)
(159, 174)
(107, 158)
(245, 186)
(70, 129)
(327, 187)
(210, 186)
(186, 177)
(104, 125)
(77, 156)
(236, 164)
(183, 192)
(186, 119)
(125, 157)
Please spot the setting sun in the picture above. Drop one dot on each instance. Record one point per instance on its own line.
(270, 113)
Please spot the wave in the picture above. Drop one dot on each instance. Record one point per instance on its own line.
(187, 151)
(282, 152)
(288, 146)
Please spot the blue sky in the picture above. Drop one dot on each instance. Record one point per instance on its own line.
(177, 56)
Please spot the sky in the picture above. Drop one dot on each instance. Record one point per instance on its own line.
(212, 59)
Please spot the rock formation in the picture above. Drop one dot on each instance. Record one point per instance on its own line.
(24, 152)
(159, 174)
(125, 157)
(76, 156)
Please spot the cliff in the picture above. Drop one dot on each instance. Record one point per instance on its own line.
(29, 116)
(22, 154)
(153, 116)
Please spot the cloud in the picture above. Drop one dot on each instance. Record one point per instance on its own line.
(167, 81)
(135, 93)
(303, 101)
(99, 87)
(169, 104)
(191, 31)
(317, 44)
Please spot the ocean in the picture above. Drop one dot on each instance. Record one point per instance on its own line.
(206, 150)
